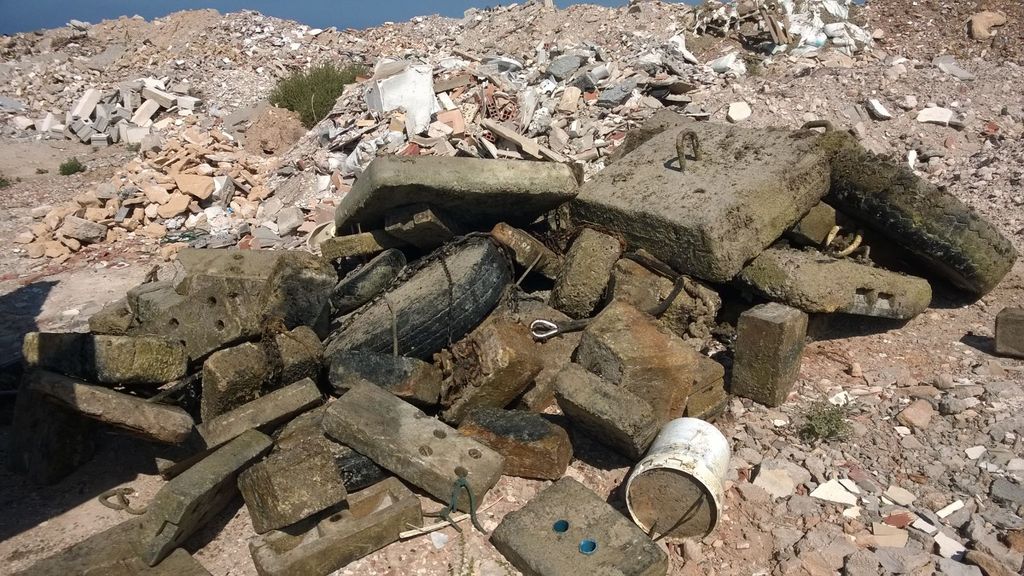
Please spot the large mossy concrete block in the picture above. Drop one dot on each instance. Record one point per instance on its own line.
(769, 348)
(233, 377)
(124, 360)
(477, 192)
(584, 276)
(748, 187)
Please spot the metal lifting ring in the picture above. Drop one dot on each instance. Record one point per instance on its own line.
(818, 124)
(681, 139)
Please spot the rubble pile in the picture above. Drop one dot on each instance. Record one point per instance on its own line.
(476, 318)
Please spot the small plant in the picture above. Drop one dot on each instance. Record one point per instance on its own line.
(72, 166)
(4, 181)
(42, 171)
(134, 147)
(312, 93)
(823, 421)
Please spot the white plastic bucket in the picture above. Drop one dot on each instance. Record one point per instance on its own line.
(677, 489)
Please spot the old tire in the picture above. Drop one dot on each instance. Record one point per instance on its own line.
(435, 306)
(948, 236)
(362, 285)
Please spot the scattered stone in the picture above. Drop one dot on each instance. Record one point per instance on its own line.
(989, 565)
(983, 22)
(949, 65)
(1010, 332)
(900, 496)
(936, 115)
(738, 112)
(917, 415)
(834, 491)
(121, 360)
(83, 230)
(778, 483)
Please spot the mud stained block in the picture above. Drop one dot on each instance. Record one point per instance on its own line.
(1010, 332)
(410, 379)
(372, 519)
(528, 251)
(356, 245)
(107, 359)
(423, 451)
(114, 552)
(48, 442)
(708, 397)
(491, 367)
(707, 220)
(421, 225)
(626, 347)
(301, 354)
(232, 377)
(815, 282)
(614, 416)
(813, 229)
(584, 276)
(264, 412)
(191, 499)
(769, 347)
(568, 529)
(291, 485)
(532, 446)
(149, 420)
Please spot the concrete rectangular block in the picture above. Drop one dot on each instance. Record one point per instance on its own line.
(86, 104)
(1010, 332)
(491, 366)
(813, 229)
(814, 282)
(149, 420)
(164, 99)
(264, 412)
(301, 354)
(481, 192)
(48, 442)
(355, 245)
(411, 379)
(692, 312)
(291, 485)
(611, 414)
(769, 347)
(627, 348)
(373, 519)
(421, 225)
(231, 378)
(114, 552)
(709, 219)
(528, 251)
(419, 449)
(122, 360)
(708, 396)
(585, 273)
(133, 134)
(533, 447)
(144, 113)
(568, 529)
(191, 499)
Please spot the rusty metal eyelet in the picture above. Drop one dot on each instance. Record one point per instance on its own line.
(681, 139)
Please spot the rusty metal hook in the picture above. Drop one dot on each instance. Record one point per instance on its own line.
(681, 147)
(818, 124)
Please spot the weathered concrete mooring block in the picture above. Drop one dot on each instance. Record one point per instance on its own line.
(264, 412)
(490, 367)
(626, 347)
(149, 420)
(410, 379)
(1010, 332)
(553, 353)
(568, 529)
(48, 442)
(707, 220)
(769, 347)
(814, 282)
(533, 447)
(106, 359)
(584, 276)
(419, 449)
(373, 519)
(233, 377)
(813, 229)
(301, 354)
(708, 396)
(528, 251)
(191, 499)
(611, 414)
(691, 314)
(421, 225)
(481, 192)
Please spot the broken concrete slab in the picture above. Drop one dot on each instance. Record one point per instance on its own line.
(421, 450)
(86, 104)
(1009, 340)
(479, 193)
(421, 225)
(748, 187)
(627, 348)
(114, 552)
(291, 485)
(411, 379)
(528, 251)
(815, 282)
(491, 366)
(264, 412)
(123, 360)
(461, 282)
(611, 414)
(769, 347)
(232, 377)
(191, 499)
(361, 285)
(588, 266)
(533, 447)
(149, 420)
(358, 245)
(48, 442)
(567, 529)
(373, 518)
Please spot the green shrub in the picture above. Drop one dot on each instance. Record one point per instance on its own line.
(72, 166)
(823, 421)
(312, 93)
(4, 181)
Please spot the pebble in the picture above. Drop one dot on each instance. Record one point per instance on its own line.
(738, 112)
